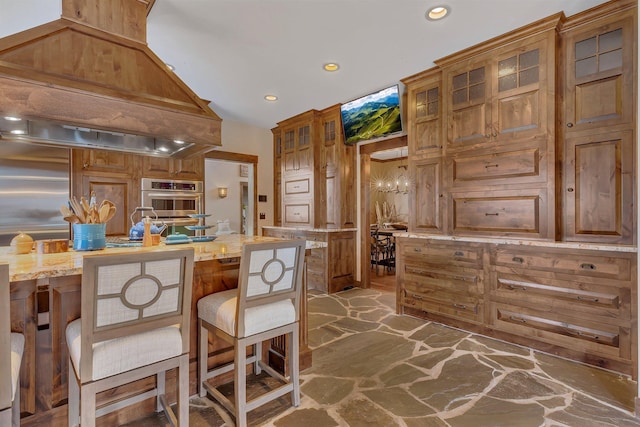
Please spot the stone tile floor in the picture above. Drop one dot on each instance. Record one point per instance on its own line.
(372, 367)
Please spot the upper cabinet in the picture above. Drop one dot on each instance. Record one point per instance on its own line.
(277, 175)
(424, 110)
(598, 135)
(599, 88)
(168, 168)
(297, 155)
(503, 90)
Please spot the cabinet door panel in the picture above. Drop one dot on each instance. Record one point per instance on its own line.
(297, 186)
(522, 166)
(599, 188)
(468, 125)
(120, 191)
(599, 74)
(518, 212)
(425, 202)
(519, 113)
(297, 214)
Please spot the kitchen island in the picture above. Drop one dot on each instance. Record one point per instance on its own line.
(45, 297)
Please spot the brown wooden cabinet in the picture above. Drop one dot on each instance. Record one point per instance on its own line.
(598, 132)
(426, 198)
(298, 137)
(441, 280)
(599, 63)
(165, 167)
(112, 176)
(575, 303)
(339, 165)
(598, 188)
(501, 91)
(277, 175)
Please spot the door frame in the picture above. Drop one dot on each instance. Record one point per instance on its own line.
(364, 153)
(241, 158)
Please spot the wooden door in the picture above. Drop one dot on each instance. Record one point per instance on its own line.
(289, 155)
(426, 198)
(304, 148)
(598, 188)
(188, 169)
(112, 162)
(521, 78)
(599, 88)
(157, 167)
(468, 110)
(122, 191)
(425, 131)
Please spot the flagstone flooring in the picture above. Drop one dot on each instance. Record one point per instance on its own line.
(372, 367)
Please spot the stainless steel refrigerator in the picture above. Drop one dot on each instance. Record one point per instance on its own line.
(34, 183)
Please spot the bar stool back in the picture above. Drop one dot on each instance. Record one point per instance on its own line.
(134, 324)
(265, 305)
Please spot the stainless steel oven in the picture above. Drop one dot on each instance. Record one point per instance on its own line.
(173, 200)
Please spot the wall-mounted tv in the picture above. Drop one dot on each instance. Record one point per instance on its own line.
(372, 116)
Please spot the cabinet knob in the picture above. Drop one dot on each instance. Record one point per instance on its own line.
(488, 135)
(494, 134)
(570, 190)
(85, 165)
(569, 125)
(517, 259)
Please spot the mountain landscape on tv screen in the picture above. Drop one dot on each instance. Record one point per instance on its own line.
(372, 119)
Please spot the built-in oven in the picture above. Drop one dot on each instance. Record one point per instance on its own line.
(173, 201)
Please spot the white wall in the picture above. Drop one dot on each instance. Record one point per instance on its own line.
(245, 139)
(222, 174)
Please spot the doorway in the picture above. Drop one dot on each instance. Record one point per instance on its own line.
(369, 277)
(237, 174)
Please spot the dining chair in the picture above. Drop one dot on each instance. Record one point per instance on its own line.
(134, 323)
(11, 348)
(265, 305)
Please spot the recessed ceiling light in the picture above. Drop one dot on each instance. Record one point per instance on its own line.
(437, 12)
(331, 66)
(12, 119)
(270, 98)
(163, 149)
(178, 141)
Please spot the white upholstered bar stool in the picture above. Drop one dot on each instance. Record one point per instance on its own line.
(11, 348)
(134, 324)
(265, 305)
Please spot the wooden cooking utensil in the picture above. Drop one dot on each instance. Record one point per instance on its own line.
(104, 212)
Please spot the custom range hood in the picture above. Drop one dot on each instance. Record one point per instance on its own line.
(90, 80)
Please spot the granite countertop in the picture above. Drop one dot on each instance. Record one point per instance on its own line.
(522, 242)
(39, 266)
(320, 230)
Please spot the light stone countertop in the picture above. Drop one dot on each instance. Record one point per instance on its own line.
(316, 230)
(39, 266)
(522, 242)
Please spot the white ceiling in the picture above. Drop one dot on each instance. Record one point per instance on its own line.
(233, 52)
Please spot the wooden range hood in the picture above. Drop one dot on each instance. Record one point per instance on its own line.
(92, 69)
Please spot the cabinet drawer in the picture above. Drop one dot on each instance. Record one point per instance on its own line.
(297, 186)
(423, 280)
(602, 265)
(419, 252)
(610, 302)
(457, 306)
(297, 213)
(520, 212)
(503, 167)
(591, 337)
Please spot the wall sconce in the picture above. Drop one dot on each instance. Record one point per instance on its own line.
(222, 192)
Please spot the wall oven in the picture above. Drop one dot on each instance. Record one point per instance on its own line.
(173, 200)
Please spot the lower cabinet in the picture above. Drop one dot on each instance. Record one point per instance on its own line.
(329, 269)
(575, 303)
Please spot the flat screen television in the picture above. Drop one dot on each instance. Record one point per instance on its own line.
(371, 117)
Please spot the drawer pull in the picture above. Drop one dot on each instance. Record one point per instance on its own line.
(418, 297)
(458, 253)
(518, 259)
(417, 249)
(491, 166)
(586, 335)
(590, 299)
(460, 306)
(517, 319)
(517, 288)
(587, 266)
(491, 214)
